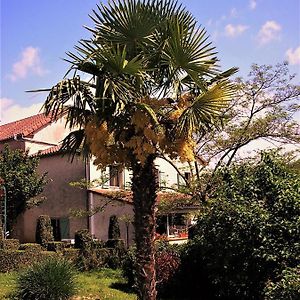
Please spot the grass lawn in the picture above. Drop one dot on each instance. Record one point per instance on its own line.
(7, 284)
(106, 284)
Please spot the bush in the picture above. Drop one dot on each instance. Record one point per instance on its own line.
(167, 259)
(220, 262)
(245, 236)
(287, 287)
(9, 244)
(167, 263)
(128, 267)
(18, 259)
(91, 254)
(32, 247)
(56, 246)
(44, 231)
(113, 228)
(52, 279)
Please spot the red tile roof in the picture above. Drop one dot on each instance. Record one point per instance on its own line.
(24, 127)
(126, 196)
(48, 151)
(121, 195)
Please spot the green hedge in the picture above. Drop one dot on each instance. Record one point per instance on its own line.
(9, 244)
(32, 247)
(55, 246)
(18, 259)
(71, 254)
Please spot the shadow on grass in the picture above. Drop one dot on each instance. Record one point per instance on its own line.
(123, 287)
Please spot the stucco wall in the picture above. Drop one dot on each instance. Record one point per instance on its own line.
(168, 174)
(13, 144)
(52, 133)
(61, 197)
(100, 221)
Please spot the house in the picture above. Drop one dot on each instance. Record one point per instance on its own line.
(41, 136)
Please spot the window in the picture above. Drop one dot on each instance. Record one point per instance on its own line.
(116, 176)
(181, 181)
(61, 228)
(187, 176)
(158, 176)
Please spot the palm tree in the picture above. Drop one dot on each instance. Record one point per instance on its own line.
(155, 84)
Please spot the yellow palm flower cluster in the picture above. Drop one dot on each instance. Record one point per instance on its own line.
(180, 148)
(103, 146)
(142, 136)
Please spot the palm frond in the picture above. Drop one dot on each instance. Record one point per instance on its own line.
(75, 143)
(224, 75)
(74, 91)
(206, 108)
(126, 22)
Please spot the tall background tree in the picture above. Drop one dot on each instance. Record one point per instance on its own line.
(22, 182)
(155, 84)
(264, 113)
(264, 109)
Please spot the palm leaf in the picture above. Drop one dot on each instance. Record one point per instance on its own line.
(76, 92)
(149, 111)
(74, 143)
(205, 108)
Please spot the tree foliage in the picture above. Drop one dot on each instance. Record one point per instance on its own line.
(156, 82)
(248, 234)
(262, 114)
(264, 109)
(22, 182)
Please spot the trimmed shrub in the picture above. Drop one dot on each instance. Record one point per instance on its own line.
(51, 279)
(91, 254)
(71, 254)
(56, 246)
(9, 244)
(19, 259)
(31, 247)
(83, 240)
(113, 228)
(287, 287)
(44, 231)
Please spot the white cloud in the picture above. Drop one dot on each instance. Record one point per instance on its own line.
(233, 13)
(252, 4)
(30, 62)
(293, 56)
(235, 30)
(11, 112)
(269, 32)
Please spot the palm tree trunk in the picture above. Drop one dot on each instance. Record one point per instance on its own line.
(144, 188)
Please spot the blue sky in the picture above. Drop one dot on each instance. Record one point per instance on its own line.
(35, 34)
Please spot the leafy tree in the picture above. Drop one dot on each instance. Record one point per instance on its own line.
(22, 182)
(263, 110)
(287, 287)
(248, 234)
(156, 83)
